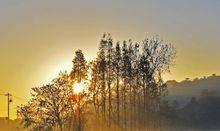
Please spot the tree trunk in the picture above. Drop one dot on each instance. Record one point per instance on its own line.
(118, 101)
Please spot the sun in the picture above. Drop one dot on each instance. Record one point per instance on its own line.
(78, 87)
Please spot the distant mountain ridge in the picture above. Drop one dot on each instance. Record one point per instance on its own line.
(184, 90)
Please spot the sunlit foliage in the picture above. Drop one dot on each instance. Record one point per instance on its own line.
(123, 91)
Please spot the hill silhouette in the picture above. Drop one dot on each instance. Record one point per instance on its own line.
(184, 90)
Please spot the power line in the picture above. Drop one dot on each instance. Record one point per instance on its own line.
(17, 97)
(20, 98)
(9, 101)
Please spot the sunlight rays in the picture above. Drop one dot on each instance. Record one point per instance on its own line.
(79, 87)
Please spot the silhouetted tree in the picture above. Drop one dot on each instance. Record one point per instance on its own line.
(50, 106)
(79, 74)
(110, 75)
(117, 71)
(80, 68)
(125, 88)
(131, 79)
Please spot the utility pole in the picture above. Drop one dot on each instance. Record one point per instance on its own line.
(8, 103)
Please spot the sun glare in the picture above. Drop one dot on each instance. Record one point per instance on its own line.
(78, 87)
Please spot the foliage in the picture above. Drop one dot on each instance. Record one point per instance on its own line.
(50, 106)
(124, 92)
(200, 113)
(129, 80)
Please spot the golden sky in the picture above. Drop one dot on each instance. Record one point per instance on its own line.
(38, 38)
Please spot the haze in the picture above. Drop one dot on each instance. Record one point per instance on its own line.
(38, 38)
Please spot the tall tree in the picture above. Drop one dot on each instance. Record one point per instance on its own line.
(110, 75)
(136, 83)
(117, 71)
(102, 74)
(79, 74)
(94, 87)
(125, 67)
(80, 68)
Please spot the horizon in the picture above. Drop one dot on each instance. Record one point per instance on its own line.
(3, 110)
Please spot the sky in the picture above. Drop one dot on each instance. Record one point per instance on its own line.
(38, 37)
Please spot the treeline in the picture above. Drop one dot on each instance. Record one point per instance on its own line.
(126, 83)
(200, 113)
(124, 89)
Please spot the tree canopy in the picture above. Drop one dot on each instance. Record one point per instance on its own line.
(124, 89)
